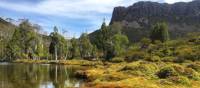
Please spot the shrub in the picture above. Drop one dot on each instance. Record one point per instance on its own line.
(153, 59)
(188, 53)
(24, 56)
(117, 60)
(180, 80)
(178, 68)
(190, 73)
(196, 67)
(136, 55)
(140, 68)
(165, 51)
(166, 72)
(179, 60)
(168, 59)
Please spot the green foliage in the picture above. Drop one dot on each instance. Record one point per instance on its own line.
(58, 45)
(103, 42)
(102, 37)
(166, 72)
(135, 55)
(140, 68)
(194, 66)
(110, 51)
(145, 42)
(23, 41)
(111, 41)
(153, 58)
(168, 59)
(94, 52)
(117, 60)
(180, 80)
(190, 73)
(160, 32)
(120, 43)
(187, 52)
(85, 46)
(74, 49)
(40, 49)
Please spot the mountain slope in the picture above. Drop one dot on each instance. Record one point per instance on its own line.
(138, 18)
(6, 29)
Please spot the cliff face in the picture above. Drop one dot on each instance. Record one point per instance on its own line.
(138, 18)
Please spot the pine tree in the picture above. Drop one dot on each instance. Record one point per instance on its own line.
(103, 39)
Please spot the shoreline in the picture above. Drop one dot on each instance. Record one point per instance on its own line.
(59, 62)
(136, 74)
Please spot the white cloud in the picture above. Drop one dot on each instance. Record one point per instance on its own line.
(69, 8)
(173, 1)
(92, 10)
(73, 8)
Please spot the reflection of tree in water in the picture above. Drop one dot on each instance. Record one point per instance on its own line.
(35, 76)
(24, 76)
(62, 76)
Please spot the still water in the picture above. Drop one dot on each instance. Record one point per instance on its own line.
(37, 76)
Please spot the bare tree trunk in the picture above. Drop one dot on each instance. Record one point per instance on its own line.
(56, 56)
(56, 73)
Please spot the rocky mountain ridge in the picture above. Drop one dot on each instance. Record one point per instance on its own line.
(137, 19)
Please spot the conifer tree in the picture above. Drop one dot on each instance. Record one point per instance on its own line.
(103, 39)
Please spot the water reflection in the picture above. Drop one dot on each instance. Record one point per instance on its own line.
(37, 76)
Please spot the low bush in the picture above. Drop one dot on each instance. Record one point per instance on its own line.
(168, 59)
(196, 67)
(139, 68)
(179, 60)
(188, 53)
(180, 80)
(192, 74)
(135, 56)
(166, 72)
(117, 59)
(153, 59)
(178, 68)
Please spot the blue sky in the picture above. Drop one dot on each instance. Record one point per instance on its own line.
(73, 16)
